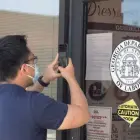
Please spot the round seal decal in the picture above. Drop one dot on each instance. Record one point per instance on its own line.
(97, 91)
(125, 66)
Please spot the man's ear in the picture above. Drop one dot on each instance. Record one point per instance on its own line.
(24, 69)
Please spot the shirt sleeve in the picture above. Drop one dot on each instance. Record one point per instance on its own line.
(46, 112)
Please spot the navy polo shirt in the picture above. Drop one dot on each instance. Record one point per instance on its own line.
(27, 115)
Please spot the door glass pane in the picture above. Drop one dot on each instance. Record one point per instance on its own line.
(131, 12)
(111, 22)
(39, 21)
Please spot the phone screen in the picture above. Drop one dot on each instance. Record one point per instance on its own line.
(63, 56)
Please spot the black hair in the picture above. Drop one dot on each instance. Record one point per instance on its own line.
(13, 53)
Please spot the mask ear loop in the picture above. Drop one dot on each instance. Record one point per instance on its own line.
(32, 68)
(30, 76)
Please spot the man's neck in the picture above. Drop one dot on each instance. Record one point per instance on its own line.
(13, 82)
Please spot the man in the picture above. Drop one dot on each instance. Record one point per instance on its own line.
(25, 115)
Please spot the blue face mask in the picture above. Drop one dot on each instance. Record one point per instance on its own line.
(37, 73)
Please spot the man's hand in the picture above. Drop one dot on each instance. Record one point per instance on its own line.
(67, 72)
(51, 72)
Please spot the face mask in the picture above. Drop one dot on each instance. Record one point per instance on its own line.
(37, 73)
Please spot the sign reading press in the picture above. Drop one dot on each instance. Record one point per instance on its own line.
(105, 11)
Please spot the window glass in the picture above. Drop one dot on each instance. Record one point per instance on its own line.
(111, 22)
(131, 12)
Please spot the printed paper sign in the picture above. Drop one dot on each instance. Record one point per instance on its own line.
(99, 51)
(99, 126)
(129, 111)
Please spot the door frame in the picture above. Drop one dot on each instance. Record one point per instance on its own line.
(72, 30)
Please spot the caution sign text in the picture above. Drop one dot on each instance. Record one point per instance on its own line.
(129, 111)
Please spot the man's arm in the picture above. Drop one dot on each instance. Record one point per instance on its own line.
(35, 87)
(51, 114)
(78, 113)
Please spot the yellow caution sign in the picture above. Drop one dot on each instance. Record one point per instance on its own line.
(129, 111)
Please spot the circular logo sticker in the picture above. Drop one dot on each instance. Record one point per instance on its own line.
(97, 91)
(125, 66)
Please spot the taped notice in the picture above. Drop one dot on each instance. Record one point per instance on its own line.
(129, 111)
(100, 123)
(99, 51)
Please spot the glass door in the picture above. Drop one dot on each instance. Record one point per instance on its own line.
(112, 80)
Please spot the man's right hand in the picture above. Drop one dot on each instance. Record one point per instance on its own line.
(68, 72)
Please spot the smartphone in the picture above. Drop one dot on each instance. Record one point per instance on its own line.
(63, 55)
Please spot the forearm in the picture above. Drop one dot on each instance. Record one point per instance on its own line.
(77, 95)
(36, 87)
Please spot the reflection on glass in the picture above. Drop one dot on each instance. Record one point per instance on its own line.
(131, 12)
